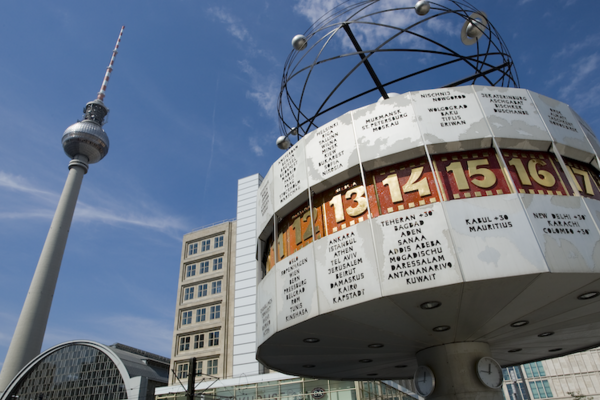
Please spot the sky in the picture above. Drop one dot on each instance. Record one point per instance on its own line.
(193, 99)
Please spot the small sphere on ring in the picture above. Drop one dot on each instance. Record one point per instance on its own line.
(299, 42)
(283, 142)
(422, 7)
(475, 29)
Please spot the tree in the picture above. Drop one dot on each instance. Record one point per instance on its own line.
(579, 396)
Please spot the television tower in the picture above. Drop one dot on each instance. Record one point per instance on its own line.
(85, 142)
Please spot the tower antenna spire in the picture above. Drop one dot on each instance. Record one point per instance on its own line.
(85, 142)
(109, 69)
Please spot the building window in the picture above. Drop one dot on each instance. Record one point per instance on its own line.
(198, 341)
(219, 241)
(215, 312)
(534, 369)
(190, 270)
(547, 388)
(184, 343)
(512, 373)
(213, 338)
(518, 372)
(188, 293)
(202, 290)
(540, 368)
(198, 368)
(212, 367)
(193, 249)
(216, 287)
(524, 391)
(182, 371)
(206, 245)
(540, 389)
(218, 263)
(201, 315)
(187, 318)
(203, 267)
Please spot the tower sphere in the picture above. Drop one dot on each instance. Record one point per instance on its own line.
(86, 138)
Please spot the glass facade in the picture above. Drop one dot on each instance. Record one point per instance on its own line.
(529, 386)
(540, 389)
(534, 369)
(73, 372)
(301, 389)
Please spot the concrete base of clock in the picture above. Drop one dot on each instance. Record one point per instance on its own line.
(454, 367)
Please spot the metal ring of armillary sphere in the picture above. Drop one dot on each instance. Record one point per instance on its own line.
(364, 37)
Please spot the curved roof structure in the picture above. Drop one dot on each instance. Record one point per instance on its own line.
(85, 369)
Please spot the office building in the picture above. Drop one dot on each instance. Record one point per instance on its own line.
(204, 314)
(215, 316)
(556, 378)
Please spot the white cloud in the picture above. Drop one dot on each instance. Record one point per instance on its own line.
(589, 98)
(264, 89)
(583, 68)
(368, 35)
(19, 184)
(255, 147)
(44, 203)
(555, 79)
(315, 9)
(234, 25)
(572, 48)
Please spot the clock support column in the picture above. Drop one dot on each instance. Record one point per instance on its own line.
(455, 372)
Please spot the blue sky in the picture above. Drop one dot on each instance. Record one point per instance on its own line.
(193, 109)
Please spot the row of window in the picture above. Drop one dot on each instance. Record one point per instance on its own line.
(540, 389)
(534, 369)
(204, 267)
(212, 368)
(522, 395)
(198, 341)
(205, 245)
(215, 313)
(188, 292)
(511, 373)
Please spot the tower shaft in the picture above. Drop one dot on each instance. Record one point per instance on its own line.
(29, 333)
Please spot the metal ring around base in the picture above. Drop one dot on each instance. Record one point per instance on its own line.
(79, 163)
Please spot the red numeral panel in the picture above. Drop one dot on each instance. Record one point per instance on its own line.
(536, 172)
(401, 186)
(343, 205)
(470, 174)
(585, 177)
